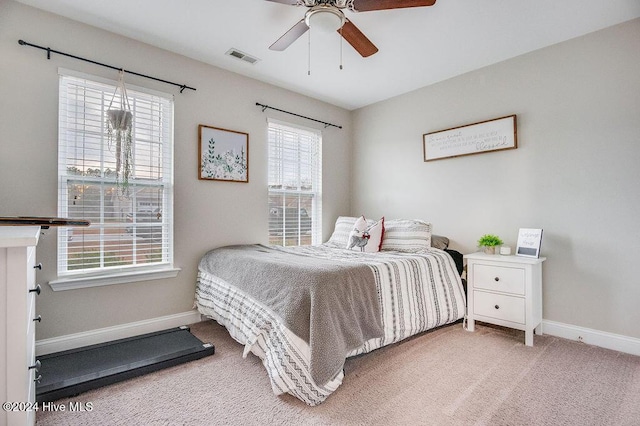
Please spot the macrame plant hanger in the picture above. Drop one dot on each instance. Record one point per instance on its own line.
(119, 129)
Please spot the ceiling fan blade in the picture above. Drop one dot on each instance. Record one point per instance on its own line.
(290, 36)
(369, 5)
(357, 39)
(291, 2)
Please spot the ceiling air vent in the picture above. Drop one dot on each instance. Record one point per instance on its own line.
(242, 56)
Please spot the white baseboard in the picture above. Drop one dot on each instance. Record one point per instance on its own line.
(101, 335)
(603, 339)
(616, 342)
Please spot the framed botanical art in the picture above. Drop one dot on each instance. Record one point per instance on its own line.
(223, 154)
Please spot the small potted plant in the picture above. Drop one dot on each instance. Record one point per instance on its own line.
(489, 242)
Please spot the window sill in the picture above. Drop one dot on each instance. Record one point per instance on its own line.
(73, 283)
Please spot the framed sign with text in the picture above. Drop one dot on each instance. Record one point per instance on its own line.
(486, 136)
(529, 241)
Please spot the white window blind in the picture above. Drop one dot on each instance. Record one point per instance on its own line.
(295, 185)
(131, 233)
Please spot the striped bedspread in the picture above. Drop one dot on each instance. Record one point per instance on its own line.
(417, 292)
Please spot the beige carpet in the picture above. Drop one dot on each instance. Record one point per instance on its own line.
(444, 377)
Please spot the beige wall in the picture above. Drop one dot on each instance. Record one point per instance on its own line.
(207, 214)
(575, 173)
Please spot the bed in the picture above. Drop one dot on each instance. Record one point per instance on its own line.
(304, 310)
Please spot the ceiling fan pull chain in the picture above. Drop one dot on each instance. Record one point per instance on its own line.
(309, 54)
(341, 47)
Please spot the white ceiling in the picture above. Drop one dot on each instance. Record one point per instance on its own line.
(418, 46)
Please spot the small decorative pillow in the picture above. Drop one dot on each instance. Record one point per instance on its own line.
(406, 235)
(341, 230)
(376, 233)
(366, 236)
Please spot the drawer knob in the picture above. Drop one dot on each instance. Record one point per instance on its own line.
(497, 306)
(37, 289)
(497, 278)
(38, 318)
(38, 266)
(37, 365)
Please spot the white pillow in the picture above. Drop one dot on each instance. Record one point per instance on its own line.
(366, 235)
(341, 230)
(406, 235)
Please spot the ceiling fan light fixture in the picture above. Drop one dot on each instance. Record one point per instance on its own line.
(325, 18)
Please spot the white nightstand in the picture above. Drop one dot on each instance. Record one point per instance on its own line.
(506, 291)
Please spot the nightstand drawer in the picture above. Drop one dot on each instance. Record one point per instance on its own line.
(499, 278)
(499, 306)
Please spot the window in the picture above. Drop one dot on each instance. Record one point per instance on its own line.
(127, 234)
(295, 185)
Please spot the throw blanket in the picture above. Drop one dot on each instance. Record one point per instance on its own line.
(334, 307)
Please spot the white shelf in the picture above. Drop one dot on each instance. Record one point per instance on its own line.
(19, 236)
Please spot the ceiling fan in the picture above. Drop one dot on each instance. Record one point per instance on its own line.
(328, 14)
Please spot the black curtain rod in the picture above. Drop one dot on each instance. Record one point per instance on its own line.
(50, 51)
(297, 115)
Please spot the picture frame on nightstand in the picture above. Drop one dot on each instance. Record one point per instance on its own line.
(529, 242)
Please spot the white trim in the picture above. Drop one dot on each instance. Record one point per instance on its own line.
(108, 279)
(101, 335)
(616, 342)
(602, 339)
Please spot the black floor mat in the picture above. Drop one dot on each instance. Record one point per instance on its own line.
(71, 372)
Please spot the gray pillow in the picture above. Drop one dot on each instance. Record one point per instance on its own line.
(439, 242)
